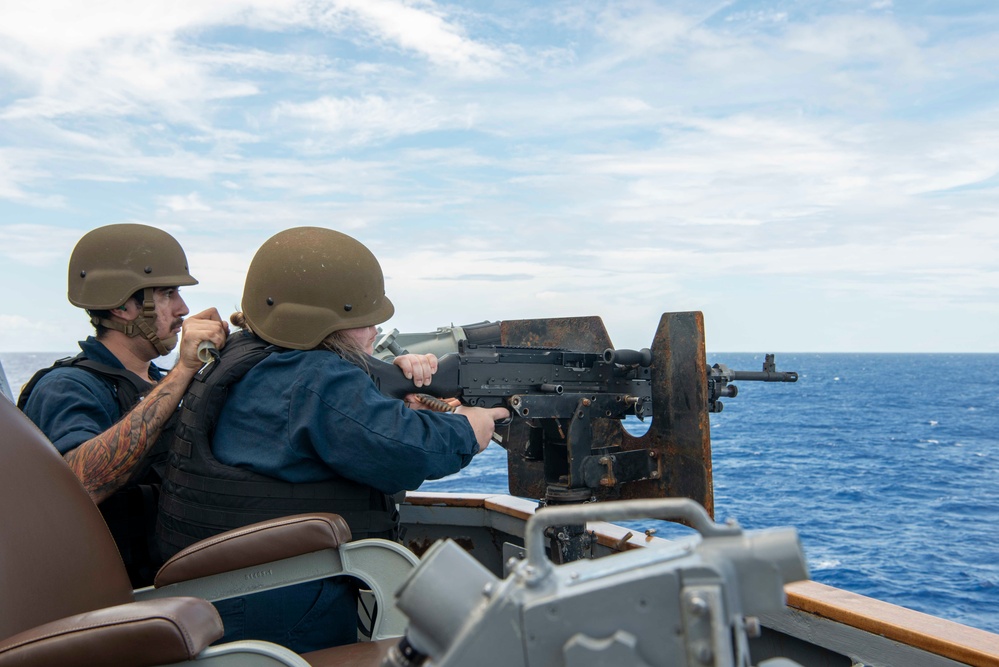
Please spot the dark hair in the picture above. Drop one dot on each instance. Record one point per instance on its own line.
(97, 315)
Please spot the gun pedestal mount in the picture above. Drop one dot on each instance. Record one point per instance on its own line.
(568, 542)
(594, 457)
(590, 456)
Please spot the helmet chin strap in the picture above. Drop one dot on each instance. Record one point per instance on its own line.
(144, 325)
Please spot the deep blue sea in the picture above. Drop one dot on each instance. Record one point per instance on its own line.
(887, 464)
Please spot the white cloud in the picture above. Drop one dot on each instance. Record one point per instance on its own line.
(423, 29)
(35, 246)
(11, 179)
(372, 118)
(19, 171)
(643, 28)
(182, 203)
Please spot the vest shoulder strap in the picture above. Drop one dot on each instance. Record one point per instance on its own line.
(128, 387)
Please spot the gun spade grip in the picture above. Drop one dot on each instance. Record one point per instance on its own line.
(390, 380)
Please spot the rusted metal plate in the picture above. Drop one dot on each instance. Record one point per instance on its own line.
(680, 431)
(583, 334)
(678, 439)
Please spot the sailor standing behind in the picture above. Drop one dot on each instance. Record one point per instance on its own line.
(287, 421)
(107, 409)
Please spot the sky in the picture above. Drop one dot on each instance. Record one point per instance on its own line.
(812, 176)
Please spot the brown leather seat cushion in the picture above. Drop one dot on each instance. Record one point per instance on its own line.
(256, 544)
(152, 632)
(361, 654)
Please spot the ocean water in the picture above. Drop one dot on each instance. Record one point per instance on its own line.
(887, 464)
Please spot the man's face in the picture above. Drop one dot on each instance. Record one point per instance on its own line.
(170, 311)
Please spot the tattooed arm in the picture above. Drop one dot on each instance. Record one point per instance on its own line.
(108, 460)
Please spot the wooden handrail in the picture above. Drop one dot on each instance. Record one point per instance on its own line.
(912, 628)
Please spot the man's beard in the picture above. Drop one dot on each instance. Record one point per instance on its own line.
(170, 342)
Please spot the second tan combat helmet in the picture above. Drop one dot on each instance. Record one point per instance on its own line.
(111, 263)
(307, 282)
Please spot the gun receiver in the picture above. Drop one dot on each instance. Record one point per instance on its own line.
(535, 383)
(721, 375)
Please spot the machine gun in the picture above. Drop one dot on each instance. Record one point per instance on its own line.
(447, 340)
(560, 393)
(535, 383)
(566, 443)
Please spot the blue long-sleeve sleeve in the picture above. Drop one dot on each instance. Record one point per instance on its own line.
(310, 416)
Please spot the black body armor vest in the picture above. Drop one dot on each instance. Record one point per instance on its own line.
(128, 387)
(203, 497)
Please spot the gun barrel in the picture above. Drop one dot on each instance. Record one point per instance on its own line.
(765, 376)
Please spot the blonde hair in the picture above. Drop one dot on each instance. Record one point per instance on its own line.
(347, 347)
(338, 341)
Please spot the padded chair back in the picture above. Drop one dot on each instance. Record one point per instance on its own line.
(57, 557)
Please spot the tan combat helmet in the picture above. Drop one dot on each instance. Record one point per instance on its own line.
(111, 263)
(305, 283)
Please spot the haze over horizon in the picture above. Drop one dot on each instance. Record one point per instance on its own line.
(814, 177)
